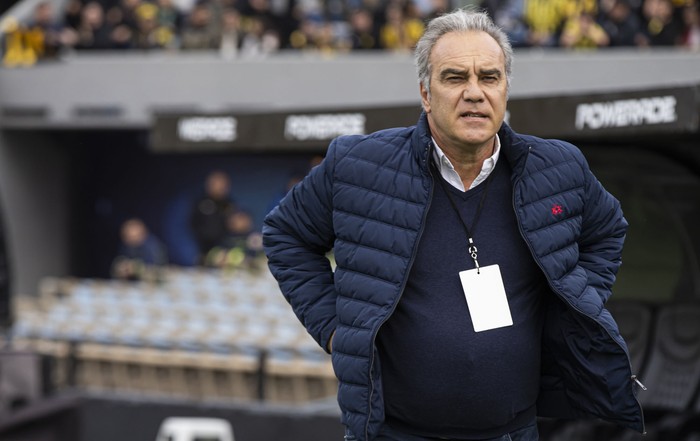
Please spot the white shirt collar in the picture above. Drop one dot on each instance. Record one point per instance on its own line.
(448, 172)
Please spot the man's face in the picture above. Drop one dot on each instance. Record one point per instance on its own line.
(134, 233)
(218, 185)
(468, 90)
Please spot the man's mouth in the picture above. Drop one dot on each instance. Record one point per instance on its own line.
(472, 115)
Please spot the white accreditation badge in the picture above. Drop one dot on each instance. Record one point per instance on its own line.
(486, 298)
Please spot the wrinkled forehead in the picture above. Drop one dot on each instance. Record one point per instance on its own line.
(467, 50)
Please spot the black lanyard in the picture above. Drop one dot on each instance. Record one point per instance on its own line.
(472, 246)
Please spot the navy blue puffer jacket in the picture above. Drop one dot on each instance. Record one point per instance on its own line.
(368, 202)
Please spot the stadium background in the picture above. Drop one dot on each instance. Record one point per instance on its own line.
(89, 139)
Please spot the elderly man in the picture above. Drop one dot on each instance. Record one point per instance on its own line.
(473, 263)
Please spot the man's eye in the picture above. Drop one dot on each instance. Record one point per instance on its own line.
(490, 79)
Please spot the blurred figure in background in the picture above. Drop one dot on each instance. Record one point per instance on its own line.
(402, 29)
(363, 32)
(24, 45)
(169, 19)
(508, 15)
(258, 40)
(141, 255)
(95, 29)
(124, 25)
(304, 38)
(210, 213)
(71, 13)
(231, 33)
(582, 32)
(92, 30)
(241, 247)
(261, 28)
(145, 34)
(622, 26)
(544, 19)
(691, 26)
(662, 27)
(44, 31)
(129, 12)
(199, 32)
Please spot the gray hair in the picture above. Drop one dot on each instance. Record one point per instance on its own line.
(460, 20)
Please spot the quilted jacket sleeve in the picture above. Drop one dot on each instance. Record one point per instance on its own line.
(297, 234)
(602, 235)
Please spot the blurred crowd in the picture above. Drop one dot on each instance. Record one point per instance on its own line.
(224, 233)
(240, 28)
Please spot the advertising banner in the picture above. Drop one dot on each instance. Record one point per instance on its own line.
(600, 116)
(303, 130)
(608, 115)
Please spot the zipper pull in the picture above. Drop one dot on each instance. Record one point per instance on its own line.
(636, 380)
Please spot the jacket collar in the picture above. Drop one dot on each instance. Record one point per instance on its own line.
(514, 148)
(422, 143)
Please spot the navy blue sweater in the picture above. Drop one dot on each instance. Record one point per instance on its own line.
(440, 378)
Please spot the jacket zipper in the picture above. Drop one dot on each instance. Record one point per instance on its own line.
(564, 298)
(398, 299)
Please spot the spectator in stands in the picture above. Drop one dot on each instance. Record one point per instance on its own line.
(257, 40)
(691, 26)
(329, 41)
(306, 36)
(363, 32)
(318, 34)
(14, 51)
(199, 32)
(402, 28)
(141, 255)
(93, 32)
(146, 35)
(72, 13)
(231, 33)
(91, 29)
(508, 15)
(240, 248)
(260, 10)
(269, 29)
(623, 27)
(170, 18)
(45, 34)
(662, 27)
(40, 39)
(405, 209)
(543, 19)
(129, 12)
(210, 213)
(582, 32)
(154, 25)
(264, 26)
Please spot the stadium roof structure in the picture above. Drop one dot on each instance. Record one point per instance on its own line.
(202, 101)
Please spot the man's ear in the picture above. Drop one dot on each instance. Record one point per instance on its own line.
(424, 98)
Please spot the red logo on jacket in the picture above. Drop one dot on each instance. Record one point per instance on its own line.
(557, 209)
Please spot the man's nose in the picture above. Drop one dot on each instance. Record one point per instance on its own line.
(472, 91)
